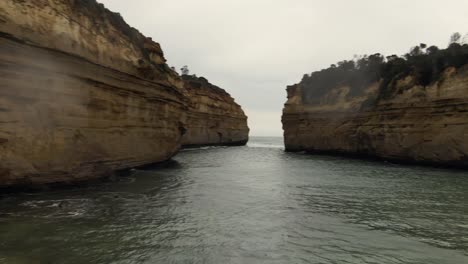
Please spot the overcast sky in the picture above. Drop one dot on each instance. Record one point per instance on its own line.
(255, 48)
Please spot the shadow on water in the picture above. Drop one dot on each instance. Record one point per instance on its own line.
(170, 164)
(116, 177)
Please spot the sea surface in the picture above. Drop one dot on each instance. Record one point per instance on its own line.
(252, 204)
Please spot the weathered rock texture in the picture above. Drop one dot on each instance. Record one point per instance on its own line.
(82, 94)
(214, 118)
(423, 124)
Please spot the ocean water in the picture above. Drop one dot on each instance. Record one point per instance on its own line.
(252, 204)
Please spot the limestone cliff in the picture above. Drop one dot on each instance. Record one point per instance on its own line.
(400, 119)
(214, 118)
(82, 94)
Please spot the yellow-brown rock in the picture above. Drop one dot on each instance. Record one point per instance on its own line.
(422, 124)
(214, 117)
(82, 94)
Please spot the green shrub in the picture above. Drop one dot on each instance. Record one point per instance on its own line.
(425, 64)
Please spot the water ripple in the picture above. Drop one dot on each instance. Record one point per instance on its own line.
(253, 204)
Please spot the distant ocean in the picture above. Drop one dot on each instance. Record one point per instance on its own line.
(266, 142)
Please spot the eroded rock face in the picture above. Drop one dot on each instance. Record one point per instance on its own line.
(82, 94)
(214, 118)
(414, 124)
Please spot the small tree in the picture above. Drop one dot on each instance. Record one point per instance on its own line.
(392, 58)
(415, 51)
(432, 50)
(455, 38)
(185, 70)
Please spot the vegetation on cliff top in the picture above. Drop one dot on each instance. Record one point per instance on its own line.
(194, 82)
(425, 64)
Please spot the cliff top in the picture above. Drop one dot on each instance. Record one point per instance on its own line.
(201, 82)
(100, 14)
(425, 64)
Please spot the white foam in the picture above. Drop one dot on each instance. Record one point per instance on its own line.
(262, 145)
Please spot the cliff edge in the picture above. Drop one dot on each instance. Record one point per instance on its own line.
(411, 109)
(214, 117)
(83, 94)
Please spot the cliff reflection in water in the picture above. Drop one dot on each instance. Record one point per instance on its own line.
(251, 204)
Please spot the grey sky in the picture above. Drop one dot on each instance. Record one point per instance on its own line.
(254, 48)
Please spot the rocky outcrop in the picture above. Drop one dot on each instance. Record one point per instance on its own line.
(214, 118)
(411, 123)
(82, 95)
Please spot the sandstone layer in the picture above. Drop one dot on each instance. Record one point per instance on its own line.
(82, 94)
(214, 117)
(422, 124)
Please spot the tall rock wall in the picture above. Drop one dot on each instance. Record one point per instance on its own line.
(214, 117)
(82, 94)
(423, 124)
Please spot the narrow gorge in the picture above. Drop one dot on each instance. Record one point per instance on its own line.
(83, 94)
(408, 109)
